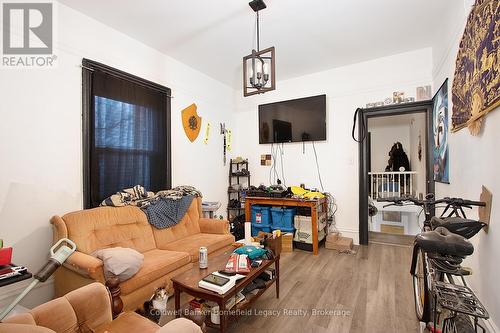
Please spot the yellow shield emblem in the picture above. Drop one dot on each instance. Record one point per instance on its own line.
(191, 122)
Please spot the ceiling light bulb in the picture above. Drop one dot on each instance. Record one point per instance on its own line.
(258, 67)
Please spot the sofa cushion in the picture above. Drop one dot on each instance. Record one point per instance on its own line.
(191, 244)
(186, 227)
(180, 325)
(23, 328)
(129, 322)
(157, 263)
(58, 315)
(103, 227)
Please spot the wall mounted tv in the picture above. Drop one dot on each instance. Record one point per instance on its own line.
(296, 120)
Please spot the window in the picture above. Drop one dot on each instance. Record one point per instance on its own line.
(126, 133)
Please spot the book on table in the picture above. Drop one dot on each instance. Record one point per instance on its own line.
(219, 283)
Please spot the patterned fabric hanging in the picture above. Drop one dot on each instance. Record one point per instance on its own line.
(476, 84)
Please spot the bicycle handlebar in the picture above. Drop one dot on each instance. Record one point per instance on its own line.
(431, 202)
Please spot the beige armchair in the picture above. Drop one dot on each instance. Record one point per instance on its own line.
(88, 310)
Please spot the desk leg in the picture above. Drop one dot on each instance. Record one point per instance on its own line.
(277, 267)
(248, 206)
(222, 316)
(177, 295)
(314, 226)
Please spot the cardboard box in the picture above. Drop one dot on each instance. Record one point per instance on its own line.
(331, 238)
(272, 243)
(287, 243)
(341, 244)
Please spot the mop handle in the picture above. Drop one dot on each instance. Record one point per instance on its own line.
(18, 299)
(58, 255)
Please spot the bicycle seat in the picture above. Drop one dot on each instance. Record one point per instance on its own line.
(458, 225)
(445, 243)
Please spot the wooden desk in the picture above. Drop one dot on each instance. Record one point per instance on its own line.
(316, 206)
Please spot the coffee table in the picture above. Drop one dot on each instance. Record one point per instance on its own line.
(188, 282)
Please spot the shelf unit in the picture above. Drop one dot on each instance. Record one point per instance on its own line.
(317, 206)
(236, 178)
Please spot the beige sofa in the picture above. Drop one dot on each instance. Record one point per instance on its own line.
(87, 310)
(167, 252)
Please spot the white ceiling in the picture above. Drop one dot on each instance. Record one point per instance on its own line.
(212, 36)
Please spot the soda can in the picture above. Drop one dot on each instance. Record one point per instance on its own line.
(203, 258)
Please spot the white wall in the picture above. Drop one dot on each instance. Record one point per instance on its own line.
(40, 132)
(346, 88)
(385, 132)
(473, 163)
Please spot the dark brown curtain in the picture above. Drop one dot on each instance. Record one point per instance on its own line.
(129, 137)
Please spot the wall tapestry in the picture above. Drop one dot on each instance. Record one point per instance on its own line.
(191, 122)
(440, 134)
(476, 89)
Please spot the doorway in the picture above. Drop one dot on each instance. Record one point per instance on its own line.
(404, 127)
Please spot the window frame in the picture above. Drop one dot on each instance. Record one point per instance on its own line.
(88, 68)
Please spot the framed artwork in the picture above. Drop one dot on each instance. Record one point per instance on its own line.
(476, 83)
(440, 134)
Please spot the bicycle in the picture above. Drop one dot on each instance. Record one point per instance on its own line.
(438, 252)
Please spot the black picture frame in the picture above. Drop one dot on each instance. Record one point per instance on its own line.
(443, 160)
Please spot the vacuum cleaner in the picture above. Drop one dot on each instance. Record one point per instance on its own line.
(58, 255)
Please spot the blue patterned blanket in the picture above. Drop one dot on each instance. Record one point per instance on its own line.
(166, 212)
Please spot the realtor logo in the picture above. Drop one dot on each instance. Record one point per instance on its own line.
(27, 34)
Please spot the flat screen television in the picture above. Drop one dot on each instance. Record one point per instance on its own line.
(296, 120)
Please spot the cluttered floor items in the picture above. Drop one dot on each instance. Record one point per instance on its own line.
(225, 285)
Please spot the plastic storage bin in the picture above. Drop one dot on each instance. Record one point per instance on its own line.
(282, 218)
(261, 219)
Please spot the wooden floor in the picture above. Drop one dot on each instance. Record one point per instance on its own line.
(384, 238)
(370, 291)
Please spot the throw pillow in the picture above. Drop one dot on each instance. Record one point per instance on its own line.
(120, 262)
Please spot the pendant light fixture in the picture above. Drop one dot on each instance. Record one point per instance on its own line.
(259, 66)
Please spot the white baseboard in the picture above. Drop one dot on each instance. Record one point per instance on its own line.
(354, 234)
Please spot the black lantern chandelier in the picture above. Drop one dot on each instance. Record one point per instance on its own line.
(259, 67)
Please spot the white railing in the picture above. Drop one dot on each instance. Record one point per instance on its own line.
(391, 184)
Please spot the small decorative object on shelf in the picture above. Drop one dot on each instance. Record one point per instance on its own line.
(398, 97)
(239, 181)
(424, 93)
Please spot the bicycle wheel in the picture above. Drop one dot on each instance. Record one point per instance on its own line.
(420, 289)
(461, 323)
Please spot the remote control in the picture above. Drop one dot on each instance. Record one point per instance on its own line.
(227, 273)
(13, 271)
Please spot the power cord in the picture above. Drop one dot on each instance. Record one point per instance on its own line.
(363, 127)
(282, 152)
(273, 172)
(317, 167)
(271, 169)
(332, 209)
